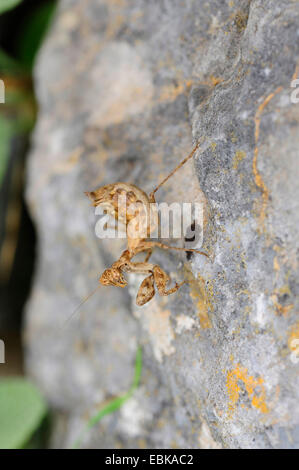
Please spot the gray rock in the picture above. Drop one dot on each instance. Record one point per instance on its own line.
(120, 86)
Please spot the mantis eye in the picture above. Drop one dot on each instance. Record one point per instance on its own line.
(130, 197)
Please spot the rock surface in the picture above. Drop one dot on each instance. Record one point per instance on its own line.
(124, 88)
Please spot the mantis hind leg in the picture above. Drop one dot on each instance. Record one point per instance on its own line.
(161, 279)
(163, 246)
(149, 253)
(149, 245)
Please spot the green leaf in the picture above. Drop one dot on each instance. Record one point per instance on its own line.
(22, 409)
(17, 117)
(6, 5)
(33, 32)
(116, 403)
(6, 133)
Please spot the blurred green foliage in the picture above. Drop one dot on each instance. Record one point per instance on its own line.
(7, 64)
(17, 115)
(8, 5)
(33, 32)
(116, 403)
(22, 409)
(6, 133)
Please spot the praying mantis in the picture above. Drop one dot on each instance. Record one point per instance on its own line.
(135, 212)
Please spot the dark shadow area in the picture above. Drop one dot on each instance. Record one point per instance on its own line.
(21, 32)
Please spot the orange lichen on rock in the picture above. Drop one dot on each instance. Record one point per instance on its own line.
(281, 309)
(202, 294)
(293, 335)
(238, 157)
(257, 397)
(257, 176)
(296, 72)
(171, 92)
(215, 80)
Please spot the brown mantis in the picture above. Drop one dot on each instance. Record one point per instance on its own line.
(135, 212)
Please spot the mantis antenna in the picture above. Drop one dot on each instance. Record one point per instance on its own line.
(174, 170)
(79, 306)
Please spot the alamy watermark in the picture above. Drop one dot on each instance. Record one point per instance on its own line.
(152, 220)
(294, 356)
(2, 91)
(295, 93)
(2, 352)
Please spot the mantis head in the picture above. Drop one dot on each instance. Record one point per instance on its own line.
(113, 277)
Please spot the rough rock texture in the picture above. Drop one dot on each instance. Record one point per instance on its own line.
(121, 85)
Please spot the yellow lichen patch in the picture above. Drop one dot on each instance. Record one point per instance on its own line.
(257, 176)
(285, 289)
(114, 26)
(244, 292)
(213, 146)
(241, 21)
(233, 137)
(276, 265)
(281, 309)
(293, 335)
(202, 294)
(254, 387)
(68, 163)
(277, 248)
(141, 443)
(171, 92)
(116, 3)
(211, 81)
(238, 157)
(296, 72)
(215, 80)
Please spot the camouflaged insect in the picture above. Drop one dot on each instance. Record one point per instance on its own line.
(131, 206)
